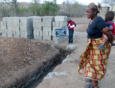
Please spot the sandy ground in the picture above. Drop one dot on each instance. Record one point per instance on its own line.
(65, 75)
(17, 54)
(20, 57)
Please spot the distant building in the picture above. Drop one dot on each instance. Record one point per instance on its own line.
(104, 8)
(111, 4)
(107, 5)
(112, 8)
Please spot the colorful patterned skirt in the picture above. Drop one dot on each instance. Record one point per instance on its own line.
(93, 61)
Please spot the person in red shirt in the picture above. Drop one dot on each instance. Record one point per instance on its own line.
(71, 25)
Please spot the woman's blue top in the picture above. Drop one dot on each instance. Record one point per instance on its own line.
(94, 29)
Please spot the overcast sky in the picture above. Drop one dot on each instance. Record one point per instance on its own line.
(60, 1)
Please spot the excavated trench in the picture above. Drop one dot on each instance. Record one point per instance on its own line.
(24, 63)
(42, 71)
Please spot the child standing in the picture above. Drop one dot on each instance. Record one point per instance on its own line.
(71, 25)
(110, 35)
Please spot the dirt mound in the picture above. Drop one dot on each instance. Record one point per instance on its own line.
(18, 57)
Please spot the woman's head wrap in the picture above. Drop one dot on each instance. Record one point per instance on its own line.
(94, 8)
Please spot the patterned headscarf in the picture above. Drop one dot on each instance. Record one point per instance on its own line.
(94, 8)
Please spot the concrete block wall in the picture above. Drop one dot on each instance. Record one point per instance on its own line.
(26, 27)
(3, 29)
(42, 27)
(60, 18)
(48, 18)
(60, 22)
(13, 27)
(37, 27)
(47, 27)
(47, 33)
(49, 24)
(17, 27)
(9, 26)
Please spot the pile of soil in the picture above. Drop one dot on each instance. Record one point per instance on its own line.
(20, 57)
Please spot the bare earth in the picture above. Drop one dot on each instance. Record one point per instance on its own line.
(65, 75)
(20, 57)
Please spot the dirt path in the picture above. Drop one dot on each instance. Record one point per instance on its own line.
(65, 75)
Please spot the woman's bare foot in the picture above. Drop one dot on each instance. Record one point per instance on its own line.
(95, 84)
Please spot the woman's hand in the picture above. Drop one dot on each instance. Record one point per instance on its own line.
(105, 30)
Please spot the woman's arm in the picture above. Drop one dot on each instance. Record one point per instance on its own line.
(105, 30)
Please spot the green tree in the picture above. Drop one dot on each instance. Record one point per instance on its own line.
(35, 9)
(77, 10)
(22, 11)
(72, 9)
(49, 8)
(15, 6)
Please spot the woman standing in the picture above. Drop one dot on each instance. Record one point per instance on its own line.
(93, 61)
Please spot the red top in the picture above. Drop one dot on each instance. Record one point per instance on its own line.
(70, 23)
(113, 32)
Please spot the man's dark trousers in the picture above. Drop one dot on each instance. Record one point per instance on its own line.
(71, 31)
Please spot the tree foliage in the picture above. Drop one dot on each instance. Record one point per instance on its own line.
(15, 7)
(35, 9)
(73, 9)
(49, 8)
(12, 8)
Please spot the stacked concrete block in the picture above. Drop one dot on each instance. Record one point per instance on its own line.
(26, 27)
(30, 29)
(13, 27)
(59, 31)
(38, 27)
(42, 27)
(4, 29)
(60, 23)
(10, 27)
(17, 27)
(47, 33)
(60, 18)
(23, 27)
(46, 23)
(36, 21)
(38, 34)
(47, 27)
(48, 18)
